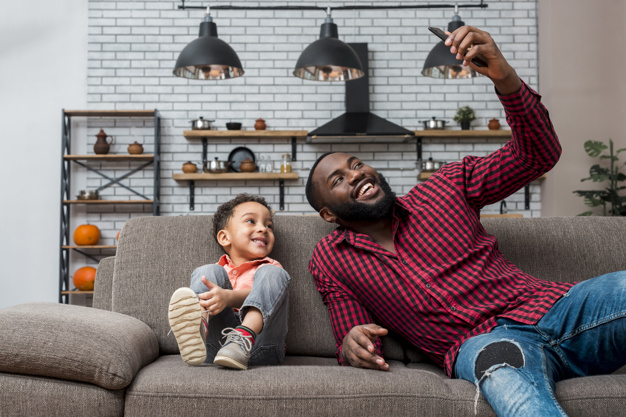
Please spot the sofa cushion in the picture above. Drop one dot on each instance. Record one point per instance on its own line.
(22, 395)
(74, 343)
(103, 284)
(301, 386)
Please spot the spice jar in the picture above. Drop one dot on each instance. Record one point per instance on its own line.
(494, 124)
(285, 163)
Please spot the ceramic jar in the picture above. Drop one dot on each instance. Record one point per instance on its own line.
(189, 167)
(135, 148)
(494, 124)
(260, 124)
(247, 165)
(101, 146)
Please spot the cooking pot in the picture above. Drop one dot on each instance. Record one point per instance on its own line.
(216, 166)
(431, 166)
(434, 124)
(201, 124)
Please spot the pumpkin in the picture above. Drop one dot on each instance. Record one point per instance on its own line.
(84, 277)
(86, 234)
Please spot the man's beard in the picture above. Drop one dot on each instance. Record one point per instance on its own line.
(356, 211)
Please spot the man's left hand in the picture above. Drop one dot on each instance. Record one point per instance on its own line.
(467, 43)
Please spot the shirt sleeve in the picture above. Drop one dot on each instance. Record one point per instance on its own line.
(533, 150)
(345, 312)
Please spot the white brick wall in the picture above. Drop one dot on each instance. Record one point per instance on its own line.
(133, 46)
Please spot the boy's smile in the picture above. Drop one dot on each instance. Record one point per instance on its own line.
(249, 234)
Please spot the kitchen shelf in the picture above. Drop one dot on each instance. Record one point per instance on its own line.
(108, 201)
(240, 176)
(142, 157)
(462, 134)
(90, 163)
(89, 247)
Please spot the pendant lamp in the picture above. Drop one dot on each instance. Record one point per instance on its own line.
(440, 63)
(328, 58)
(208, 57)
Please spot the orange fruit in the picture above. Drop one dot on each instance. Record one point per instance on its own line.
(84, 278)
(86, 234)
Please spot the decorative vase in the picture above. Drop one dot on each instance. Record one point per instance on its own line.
(135, 148)
(101, 146)
(465, 125)
(247, 165)
(494, 124)
(189, 167)
(260, 124)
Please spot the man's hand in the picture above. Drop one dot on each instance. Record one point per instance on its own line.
(358, 347)
(467, 42)
(215, 300)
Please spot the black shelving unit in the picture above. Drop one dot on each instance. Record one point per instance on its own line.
(68, 158)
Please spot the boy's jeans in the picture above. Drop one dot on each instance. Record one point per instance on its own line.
(269, 294)
(584, 333)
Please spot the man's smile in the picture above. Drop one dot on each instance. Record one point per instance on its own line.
(365, 189)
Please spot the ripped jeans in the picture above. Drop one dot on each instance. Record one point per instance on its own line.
(584, 333)
(269, 294)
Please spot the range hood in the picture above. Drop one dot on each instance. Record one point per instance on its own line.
(358, 124)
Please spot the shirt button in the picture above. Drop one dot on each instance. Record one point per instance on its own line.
(427, 285)
(405, 262)
(453, 308)
(234, 272)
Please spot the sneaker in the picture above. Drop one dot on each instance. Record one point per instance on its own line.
(235, 352)
(189, 324)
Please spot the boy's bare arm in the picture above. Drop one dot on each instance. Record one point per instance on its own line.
(217, 299)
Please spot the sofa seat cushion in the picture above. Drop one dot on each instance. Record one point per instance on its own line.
(22, 395)
(74, 343)
(301, 386)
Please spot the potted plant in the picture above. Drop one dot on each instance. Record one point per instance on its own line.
(464, 116)
(608, 198)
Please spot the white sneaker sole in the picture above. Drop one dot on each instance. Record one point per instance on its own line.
(229, 363)
(185, 319)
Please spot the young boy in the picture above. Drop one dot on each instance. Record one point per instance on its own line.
(245, 294)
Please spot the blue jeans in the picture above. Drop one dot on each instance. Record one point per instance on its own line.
(584, 333)
(269, 294)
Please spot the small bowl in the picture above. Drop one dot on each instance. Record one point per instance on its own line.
(88, 195)
(233, 126)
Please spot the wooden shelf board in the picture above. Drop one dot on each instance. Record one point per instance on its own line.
(89, 247)
(237, 176)
(426, 175)
(110, 113)
(462, 134)
(142, 157)
(76, 292)
(108, 201)
(196, 134)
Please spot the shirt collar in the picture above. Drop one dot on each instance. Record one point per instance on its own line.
(227, 262)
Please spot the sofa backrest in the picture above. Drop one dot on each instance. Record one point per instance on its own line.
(156, 255)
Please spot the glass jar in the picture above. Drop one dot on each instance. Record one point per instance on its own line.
(285, 163)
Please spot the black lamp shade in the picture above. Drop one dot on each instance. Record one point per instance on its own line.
(440, 63)
(208, 57)
(328, 59)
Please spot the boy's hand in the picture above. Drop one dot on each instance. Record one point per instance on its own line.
(215, 300)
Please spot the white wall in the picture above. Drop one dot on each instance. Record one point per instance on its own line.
(43, 48)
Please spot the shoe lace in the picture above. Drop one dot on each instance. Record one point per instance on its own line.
(235, 336)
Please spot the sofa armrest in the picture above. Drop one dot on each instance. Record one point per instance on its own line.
(103, 285)
(74, 343)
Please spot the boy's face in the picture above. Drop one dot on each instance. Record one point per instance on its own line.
(249, 233)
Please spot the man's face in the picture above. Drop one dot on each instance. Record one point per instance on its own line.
(351, 191)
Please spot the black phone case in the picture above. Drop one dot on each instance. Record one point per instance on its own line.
(442, 35)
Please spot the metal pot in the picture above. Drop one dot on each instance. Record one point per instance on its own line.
(88, 195)
(201, 124)
(434, 124)
(216, 166)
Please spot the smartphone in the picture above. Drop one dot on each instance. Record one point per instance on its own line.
(442, 35)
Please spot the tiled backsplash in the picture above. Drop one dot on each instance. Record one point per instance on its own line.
(133, 46)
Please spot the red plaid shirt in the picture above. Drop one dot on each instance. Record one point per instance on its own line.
(448, 280)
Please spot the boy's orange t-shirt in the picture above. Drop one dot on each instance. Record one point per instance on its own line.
(241, 277)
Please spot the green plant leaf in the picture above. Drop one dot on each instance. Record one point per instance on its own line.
(620, 150)
(598, 174)
(586, 213)
(594, 148)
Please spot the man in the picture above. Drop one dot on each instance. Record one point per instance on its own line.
(423, 266)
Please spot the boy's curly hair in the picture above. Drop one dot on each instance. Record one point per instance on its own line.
(225, 211)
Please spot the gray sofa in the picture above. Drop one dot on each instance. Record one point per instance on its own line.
(118, 359)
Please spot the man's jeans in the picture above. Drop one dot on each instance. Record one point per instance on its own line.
(584, 333)
(269, 294)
